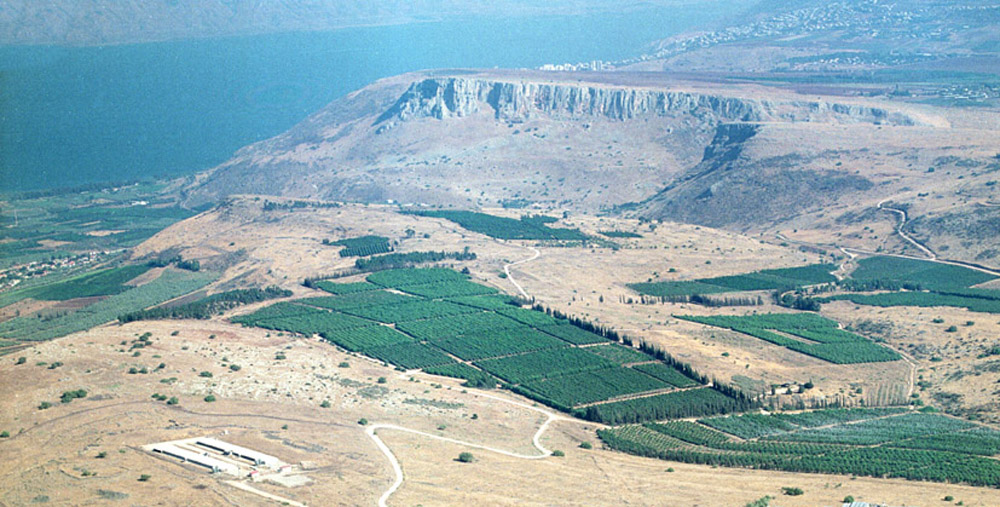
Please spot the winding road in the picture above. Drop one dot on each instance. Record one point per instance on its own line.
(899, 229)
(398, 469)
(506, 269)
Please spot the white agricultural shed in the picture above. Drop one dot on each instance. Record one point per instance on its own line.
(257, 458)
(213, 464)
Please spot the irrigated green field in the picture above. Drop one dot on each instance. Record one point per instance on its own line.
(869, 442)
(487, 339)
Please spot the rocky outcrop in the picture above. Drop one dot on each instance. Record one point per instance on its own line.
(452, 97)
(729, 188)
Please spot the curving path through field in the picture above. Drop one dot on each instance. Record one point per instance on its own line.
(506, 269)
(899, 229)
(398, 469)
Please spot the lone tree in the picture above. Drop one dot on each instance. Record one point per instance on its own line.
(466, 457)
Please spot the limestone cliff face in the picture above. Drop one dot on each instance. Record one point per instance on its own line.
(514, 101)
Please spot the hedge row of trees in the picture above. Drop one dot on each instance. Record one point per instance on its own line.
(698, 299)
(176, 260)
(390, 261)
(409, 259)
(207, 307)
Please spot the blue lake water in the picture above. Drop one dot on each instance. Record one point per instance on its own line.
(70, 116)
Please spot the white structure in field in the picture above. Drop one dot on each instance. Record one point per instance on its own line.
(219, 456)
(227, 449)
(203, 460)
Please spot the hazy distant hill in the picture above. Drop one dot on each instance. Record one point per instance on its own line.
(743, 157)
(820, 35)
(93, 22)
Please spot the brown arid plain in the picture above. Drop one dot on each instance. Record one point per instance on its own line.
(302, 400)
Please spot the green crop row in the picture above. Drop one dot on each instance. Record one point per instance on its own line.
(926, 274)
(823, 340)
(410, 355)
(404, 312)
(414, 276)
(941, 446)
(675, 405)
(769, 279)
(346, 288)
(169, 285)
(447, 289)
(502, 342)
(528, 227)
(363, 339)
(592, 386)
(544, 364)
(363, 246)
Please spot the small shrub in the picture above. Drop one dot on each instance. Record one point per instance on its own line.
(210, 398)
(848, 499)
(21, 360)
(145, 477)
(670, 470)
(235, 367)
(363, 421)
(173, 401)
(325, 404)
(44, 405)
(206, 374)
(4, 434)
(951, 329)
(382, 380)
(344, 364)
(586, 445)
(68, 396)
(792, 491)
(102, 455)
(557, 453)
(949, 498)
(466, 457)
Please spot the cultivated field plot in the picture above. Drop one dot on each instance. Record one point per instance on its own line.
(918, 283)
(363, 246)
(487, 339)
(807, 333)
(770, 279)
(926, 274)
(871, 442)
(170, 284)
(528, 227)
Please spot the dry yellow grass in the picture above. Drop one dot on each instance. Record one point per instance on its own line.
(49, 450)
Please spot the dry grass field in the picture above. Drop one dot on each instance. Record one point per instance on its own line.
(275, 405)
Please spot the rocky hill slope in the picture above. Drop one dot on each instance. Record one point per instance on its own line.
(582, 141)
